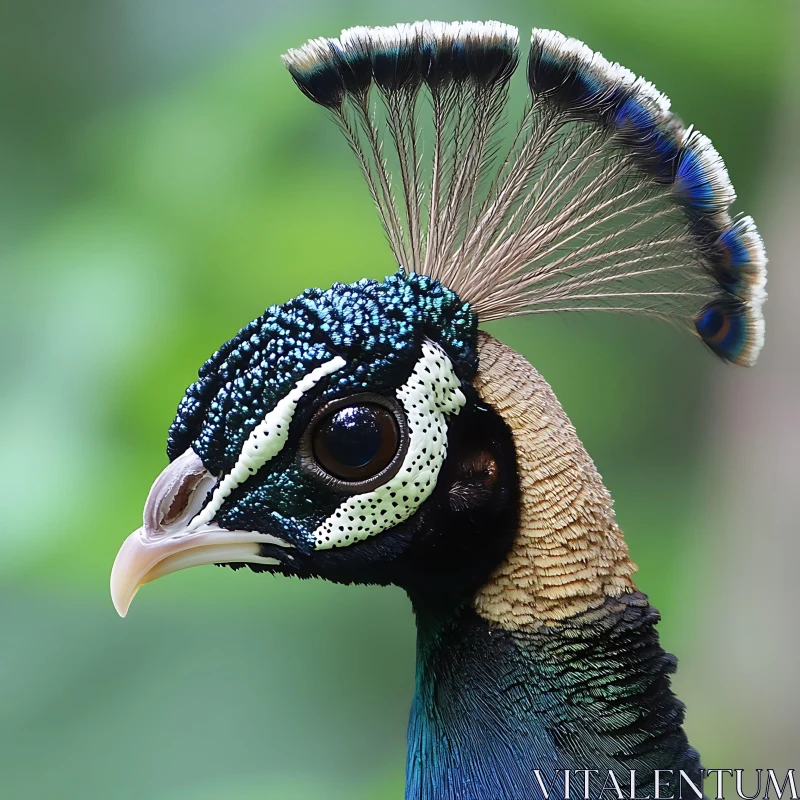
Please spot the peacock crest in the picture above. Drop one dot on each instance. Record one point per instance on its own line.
(604, 199)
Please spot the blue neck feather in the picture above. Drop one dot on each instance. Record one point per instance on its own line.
(493, 706)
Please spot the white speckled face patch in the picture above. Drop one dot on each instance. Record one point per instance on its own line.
(265, 442)
(430, 394)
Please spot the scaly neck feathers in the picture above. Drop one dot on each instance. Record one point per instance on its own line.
(569, 554)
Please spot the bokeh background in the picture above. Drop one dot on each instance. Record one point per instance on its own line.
(163, 182)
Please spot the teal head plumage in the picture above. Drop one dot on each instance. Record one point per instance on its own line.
(371, 433)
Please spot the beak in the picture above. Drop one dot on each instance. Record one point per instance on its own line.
(167, 542)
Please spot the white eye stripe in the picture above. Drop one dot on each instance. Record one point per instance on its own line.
(431, 393)
(267, 439)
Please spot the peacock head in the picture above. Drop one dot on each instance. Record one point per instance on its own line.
(343, 417)
(363, 434)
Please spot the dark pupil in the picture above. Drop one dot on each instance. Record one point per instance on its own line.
(352, 436)
(356, 442)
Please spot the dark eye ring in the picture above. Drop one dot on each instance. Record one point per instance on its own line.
(355, 443)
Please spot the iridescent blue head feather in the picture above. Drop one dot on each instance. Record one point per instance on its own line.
(377, 328)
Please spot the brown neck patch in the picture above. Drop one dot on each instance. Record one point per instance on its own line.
(569, 553)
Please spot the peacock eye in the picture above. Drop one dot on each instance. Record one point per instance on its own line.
(356, 442)
(353, 442)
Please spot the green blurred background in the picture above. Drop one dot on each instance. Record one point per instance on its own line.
(164, 182)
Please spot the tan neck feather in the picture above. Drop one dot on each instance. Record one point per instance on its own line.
(569, 554)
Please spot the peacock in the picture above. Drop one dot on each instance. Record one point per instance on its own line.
(372, 433)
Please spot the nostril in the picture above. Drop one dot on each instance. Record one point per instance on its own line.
(178, 493)
(180, 502)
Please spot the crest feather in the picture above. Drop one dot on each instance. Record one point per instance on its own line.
(603, 200)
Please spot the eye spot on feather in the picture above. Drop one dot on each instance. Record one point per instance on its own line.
(731, 329)
(431, 393)
(716, 324)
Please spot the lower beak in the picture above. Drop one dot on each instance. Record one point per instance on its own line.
(144, 557)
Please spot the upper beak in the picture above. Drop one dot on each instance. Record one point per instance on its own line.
(166, 543)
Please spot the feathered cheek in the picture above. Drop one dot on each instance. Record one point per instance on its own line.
(431, 394)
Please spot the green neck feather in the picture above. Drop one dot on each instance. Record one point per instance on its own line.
(493, 706)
